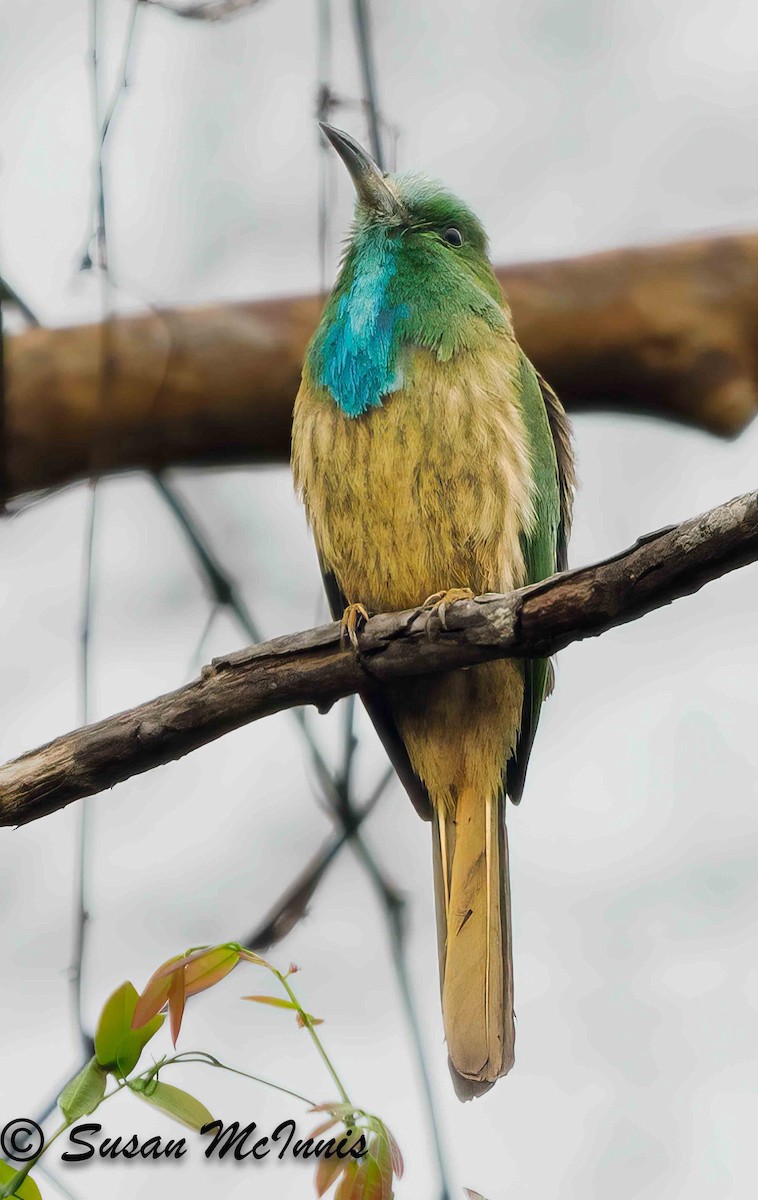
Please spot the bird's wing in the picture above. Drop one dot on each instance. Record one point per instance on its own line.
(378, 709)
(560, 428)
(545, 546)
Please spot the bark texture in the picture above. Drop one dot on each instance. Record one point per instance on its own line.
(313, 668)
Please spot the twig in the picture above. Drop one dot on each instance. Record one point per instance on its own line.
(102, 122)
(81, 903)
(368, 76)
(224, 592)
(314, 668)
(293, 904)
(8, 293)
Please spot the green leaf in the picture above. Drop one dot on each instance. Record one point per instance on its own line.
(83, 1093)
(349, 1186)
(27, 1190)
(274, 1001)
(117, 1046)
(383, 1158)
(279, 1002)
(373, 1182)
(177, 1104)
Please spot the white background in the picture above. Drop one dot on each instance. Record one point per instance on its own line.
(634, 855)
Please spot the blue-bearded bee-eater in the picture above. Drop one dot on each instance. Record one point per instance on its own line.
(435, 464)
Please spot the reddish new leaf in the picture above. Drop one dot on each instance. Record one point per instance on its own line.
(176, 1000)
(195, 971)
(327, 1172)
(206, 967)
(312, 1020)
(398, 1166)
(323, 1128)
(154, 995)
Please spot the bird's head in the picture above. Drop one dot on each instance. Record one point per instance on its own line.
(416, 272)
(431, 231)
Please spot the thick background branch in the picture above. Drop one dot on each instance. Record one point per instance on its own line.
(670, 330)
(312, 667)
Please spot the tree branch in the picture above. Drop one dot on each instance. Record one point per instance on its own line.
(668, 330)
(313, 668)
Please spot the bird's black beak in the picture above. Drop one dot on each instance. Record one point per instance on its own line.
(370, 184)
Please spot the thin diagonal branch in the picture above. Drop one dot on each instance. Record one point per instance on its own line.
(368, 76)
(102, 120)
(293, 904)
(8, 293)
(314, 668)
(225, 593)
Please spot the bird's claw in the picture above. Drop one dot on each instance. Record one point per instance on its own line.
(439, 602)
(354, 618)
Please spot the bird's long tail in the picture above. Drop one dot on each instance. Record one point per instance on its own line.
(472, 896)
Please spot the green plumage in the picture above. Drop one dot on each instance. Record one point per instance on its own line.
(540, 547)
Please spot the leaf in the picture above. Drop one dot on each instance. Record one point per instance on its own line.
(382, 1154)
(351, 1178)
(333, 1106)
(310, 1020)
(83, 1093)
(176, 1001)
(251, 957)
(315, 1133)
(192, 973)
(207, 967)
(280, 1002)
(326, 1172)
(398, 1166)
(372, 1184)
(27, 1190)
(117, 1045)
(177, 1104)
(154, 995)
(274, 1001)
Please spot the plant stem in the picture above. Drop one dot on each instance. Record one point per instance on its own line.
(200, 1056)
(308, 1023)
(12, 1186)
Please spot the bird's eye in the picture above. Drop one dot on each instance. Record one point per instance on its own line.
(453, 236)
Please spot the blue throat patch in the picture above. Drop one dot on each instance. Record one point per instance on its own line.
(357, 357)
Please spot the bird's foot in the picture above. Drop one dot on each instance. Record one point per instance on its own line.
(354, 618)
(441, 601)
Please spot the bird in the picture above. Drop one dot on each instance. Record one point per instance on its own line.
(435, 464)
